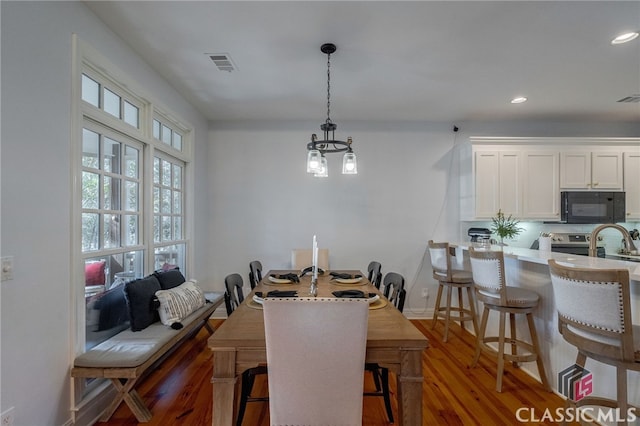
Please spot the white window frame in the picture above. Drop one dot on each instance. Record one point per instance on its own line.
(86, 60)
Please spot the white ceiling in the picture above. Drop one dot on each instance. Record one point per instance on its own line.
(449, 61)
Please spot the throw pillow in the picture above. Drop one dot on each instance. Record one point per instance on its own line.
(94, 273)
(169, 279)
(179, 302)
(140, 302)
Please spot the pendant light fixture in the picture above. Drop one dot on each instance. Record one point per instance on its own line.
(316, 160)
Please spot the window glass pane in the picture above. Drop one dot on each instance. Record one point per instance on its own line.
(166, 200)
(131, 114)
(169, 257)
(130, 161)
(177, 176)
(166, 173)
(156, 170)
(111, 193)
(90, 144)
(177, 141)
(111, 231)
(111, 103)
(177, 227)
(131, 196)
(166, 228)
(90, 91)
(156, 129)
(131, 230)
(156, 229)
(90, 231)
(177, 202)
(156, 200)
(111, 156)
(166, 135)
(90, 191)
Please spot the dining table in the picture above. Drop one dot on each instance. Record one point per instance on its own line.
(392, 342)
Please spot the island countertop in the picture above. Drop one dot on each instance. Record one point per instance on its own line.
(542, 257)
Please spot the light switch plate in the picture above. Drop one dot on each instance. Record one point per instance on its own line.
(6, 268)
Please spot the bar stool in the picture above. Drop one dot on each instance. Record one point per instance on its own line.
(603, 332)
(450, 278)
(487, 268)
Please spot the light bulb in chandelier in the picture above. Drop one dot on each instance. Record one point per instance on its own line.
(349, 163)
(314, 161)
(324, 168)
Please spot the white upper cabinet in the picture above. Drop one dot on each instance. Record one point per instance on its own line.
(497, 183)
(540, 185)
(591, 170)
(632, 184)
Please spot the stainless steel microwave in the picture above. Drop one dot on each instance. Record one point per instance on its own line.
(592, 207)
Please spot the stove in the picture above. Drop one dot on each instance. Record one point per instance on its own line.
(569, 243)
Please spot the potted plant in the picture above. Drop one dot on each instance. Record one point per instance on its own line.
(505, 227)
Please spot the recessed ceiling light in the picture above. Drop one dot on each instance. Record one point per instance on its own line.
(624, 38)
(518, 100)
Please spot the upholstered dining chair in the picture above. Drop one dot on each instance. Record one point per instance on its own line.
(450, 278)
(487, 268)
(315, 367)
(594, 315)
(233, 297)
(374, 273)
(301, 258)
(255, 273)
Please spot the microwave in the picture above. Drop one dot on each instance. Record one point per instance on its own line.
(592, 207)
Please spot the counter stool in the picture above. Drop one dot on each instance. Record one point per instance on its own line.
(604, 331)
(487, 268)
(450, 279)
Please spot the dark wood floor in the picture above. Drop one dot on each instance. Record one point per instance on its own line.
(179, 391)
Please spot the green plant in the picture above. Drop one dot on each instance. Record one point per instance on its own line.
(505, 227)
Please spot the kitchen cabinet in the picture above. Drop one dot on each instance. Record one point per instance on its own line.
(497, 183)
(540, 185)
(632, 184)
(591, 170)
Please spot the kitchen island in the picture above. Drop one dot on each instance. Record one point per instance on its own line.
(529, 269)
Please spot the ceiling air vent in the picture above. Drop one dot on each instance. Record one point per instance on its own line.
(223, 61)
(631, 99)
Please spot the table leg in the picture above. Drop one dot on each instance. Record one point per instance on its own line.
(224, 385)
(410, 388)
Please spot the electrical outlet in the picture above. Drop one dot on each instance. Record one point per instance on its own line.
(425, 293)
(6, 418)
(7, 269)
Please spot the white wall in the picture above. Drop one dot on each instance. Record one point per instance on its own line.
(36, 347)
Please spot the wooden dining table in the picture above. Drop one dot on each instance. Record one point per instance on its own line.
(392, 342)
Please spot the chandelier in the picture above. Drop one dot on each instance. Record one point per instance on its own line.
(316, 160)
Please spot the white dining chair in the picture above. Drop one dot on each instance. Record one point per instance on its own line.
(301, 258)
(315, 353)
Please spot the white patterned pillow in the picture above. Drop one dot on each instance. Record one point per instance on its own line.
(179, 302)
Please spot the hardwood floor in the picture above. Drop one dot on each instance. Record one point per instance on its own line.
(179, 391)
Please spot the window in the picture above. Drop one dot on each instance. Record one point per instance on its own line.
(131, 202)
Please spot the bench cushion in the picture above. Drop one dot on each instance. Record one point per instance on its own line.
(129, 349)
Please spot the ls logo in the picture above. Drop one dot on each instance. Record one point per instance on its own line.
(575, 382)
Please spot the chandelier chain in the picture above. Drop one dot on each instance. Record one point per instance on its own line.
(329, 88)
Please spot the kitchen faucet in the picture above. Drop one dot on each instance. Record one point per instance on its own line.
(593, 240)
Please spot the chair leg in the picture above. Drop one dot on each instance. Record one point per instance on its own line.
(437, 307)
(514, 337)
(501, 333)
(245, 391)
(461, 313)
(480, 336)
(447, 315)
(538, 352)
(621, 374)
(385, 393)
(472, 309)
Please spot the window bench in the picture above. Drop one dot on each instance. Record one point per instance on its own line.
(125, 357)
